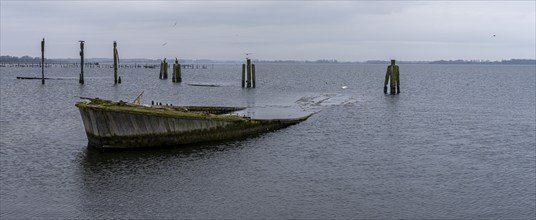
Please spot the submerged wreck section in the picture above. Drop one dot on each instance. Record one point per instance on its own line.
(123, 125)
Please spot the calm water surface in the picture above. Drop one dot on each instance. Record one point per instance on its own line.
(457, 143)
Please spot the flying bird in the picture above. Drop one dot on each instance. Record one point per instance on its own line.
(164, 44)
(494, 35)
(175, 24)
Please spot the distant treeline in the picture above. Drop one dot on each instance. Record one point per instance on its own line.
(24, 59)
(37, 60)
(507, 62)
(96, 61)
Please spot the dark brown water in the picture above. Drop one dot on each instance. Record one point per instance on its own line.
(457, 143)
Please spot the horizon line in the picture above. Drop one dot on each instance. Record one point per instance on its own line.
(278, 60)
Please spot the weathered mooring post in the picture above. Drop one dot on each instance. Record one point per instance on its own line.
(165, 73)
(243, 75)
(43, 61)
(174, 74)
(253, 74)
(81, 80)
(166, 65)
(248, 67)
(250, 74)
(179, 71)
(161, 76)
(393, 77)
(176, 71)
(116, 61)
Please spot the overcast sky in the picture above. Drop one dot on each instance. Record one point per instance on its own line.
(272, 30)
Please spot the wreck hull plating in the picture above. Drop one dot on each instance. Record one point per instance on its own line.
(117, 129)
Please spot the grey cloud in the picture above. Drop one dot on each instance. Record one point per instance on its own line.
(273, 29)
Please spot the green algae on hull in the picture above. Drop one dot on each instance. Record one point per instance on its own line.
(202, 112)
(122, 125)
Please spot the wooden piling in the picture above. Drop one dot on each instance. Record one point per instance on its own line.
(397, 76)
(174, 74)
(43, 61)
(248, 67)
(253, 74)
(116, 60)
(176, 71)
(81, 80)
(161, 76)
(165, 69)
(393, 77)
(179, 72)
(243, 75)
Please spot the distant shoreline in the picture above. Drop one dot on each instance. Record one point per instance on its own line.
(37, 60)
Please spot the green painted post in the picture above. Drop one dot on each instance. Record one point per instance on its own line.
(116, 60)
(248, 66)
(253, 74)
(43, 61)
(81, 80)
(243, 75)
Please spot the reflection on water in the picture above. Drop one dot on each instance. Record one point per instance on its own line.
(143, 183)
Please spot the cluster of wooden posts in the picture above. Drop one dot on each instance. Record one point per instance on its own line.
(177, 75)
(248, 78)
(117, 79)
(248, 69)
(392, 76)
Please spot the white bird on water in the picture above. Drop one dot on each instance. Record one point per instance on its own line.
(344, 87)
